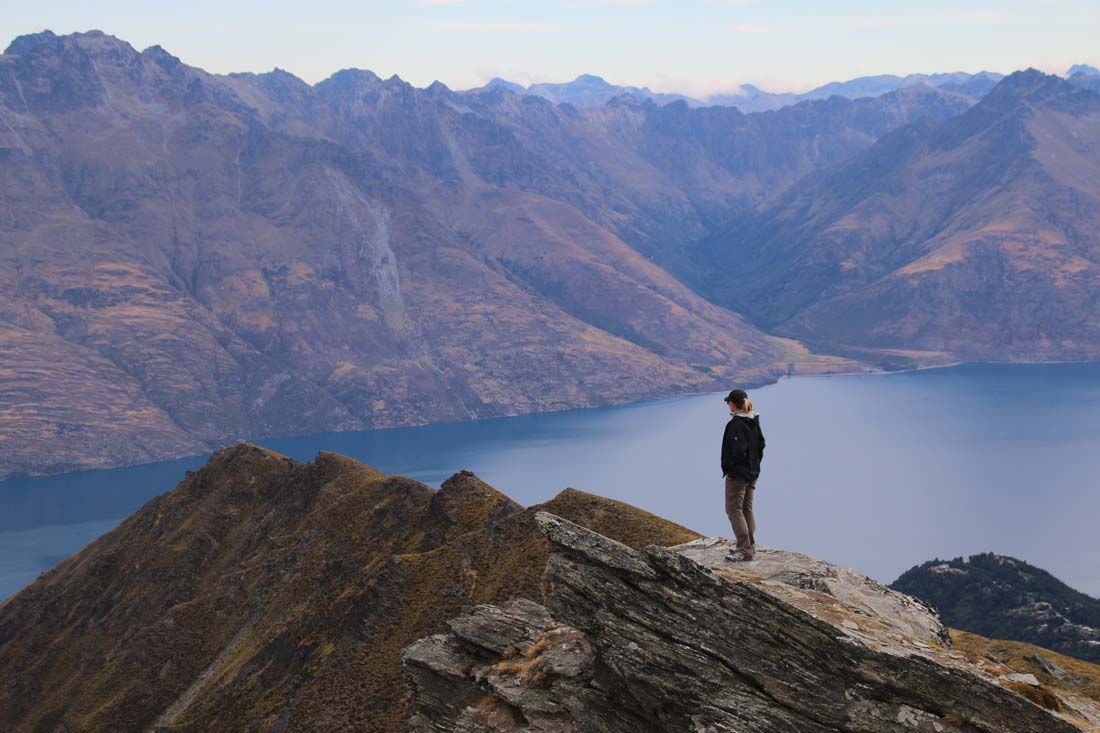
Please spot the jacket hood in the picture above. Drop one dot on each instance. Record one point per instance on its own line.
(747, 415)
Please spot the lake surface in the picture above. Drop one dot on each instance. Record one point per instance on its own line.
(878, 472)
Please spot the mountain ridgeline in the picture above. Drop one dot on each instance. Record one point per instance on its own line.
(588, 90)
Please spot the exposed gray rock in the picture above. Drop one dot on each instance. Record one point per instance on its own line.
(882, 608)
(1026, 679)
(658, 641)
(1052, 669)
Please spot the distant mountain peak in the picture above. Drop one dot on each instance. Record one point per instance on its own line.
(438, 87)
(30, 41)
(1032, 86)
(351, 78)
(631, 101)
(159, 53)
(1028, 75)
(498, 83)
(1083, 69)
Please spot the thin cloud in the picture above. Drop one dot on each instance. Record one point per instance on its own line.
(887, 21)
(979, 18)
(751, 28)
(469, 26)
(863, 23)
(606, 3)
(440, 2)
(184, 26)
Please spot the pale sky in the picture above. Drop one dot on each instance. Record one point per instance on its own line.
(691, 46)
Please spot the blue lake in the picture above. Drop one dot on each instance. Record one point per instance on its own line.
(877, 472)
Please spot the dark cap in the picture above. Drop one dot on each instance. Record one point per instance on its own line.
(737, 396)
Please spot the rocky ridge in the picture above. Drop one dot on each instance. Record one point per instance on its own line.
(679, 639)
(274, 596)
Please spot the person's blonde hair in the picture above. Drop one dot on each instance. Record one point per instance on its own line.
(745, 404)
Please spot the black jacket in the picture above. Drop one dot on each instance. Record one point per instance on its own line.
(742, 448)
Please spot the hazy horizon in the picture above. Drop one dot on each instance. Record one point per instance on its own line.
(704, 47)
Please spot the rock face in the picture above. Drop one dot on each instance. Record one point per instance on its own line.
(1006, 598)
(678, 639)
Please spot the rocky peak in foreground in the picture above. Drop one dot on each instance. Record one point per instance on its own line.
(679, 639)
(268, 595)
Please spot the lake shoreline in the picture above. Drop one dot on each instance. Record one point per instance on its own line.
(852, 464)
(870, 372)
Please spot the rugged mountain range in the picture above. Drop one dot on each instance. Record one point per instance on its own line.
(752, 99)
(975, 238)
(188, 259)
(588, 90)
(1006, 598)
(269, 595)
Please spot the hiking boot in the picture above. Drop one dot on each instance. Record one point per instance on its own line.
(738, 556)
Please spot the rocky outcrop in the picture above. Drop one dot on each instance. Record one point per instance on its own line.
(679, 639)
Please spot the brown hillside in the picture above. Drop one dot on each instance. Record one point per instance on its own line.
(1076, 682)
(269, 593)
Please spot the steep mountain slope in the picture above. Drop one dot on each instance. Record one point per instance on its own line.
(264, 594)
(188, 259)
(972, 239)
(1063, 675)
(1005, 598)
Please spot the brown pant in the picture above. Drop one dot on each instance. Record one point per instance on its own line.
(739, 510)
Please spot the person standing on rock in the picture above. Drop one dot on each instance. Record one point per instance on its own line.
(742, 452)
